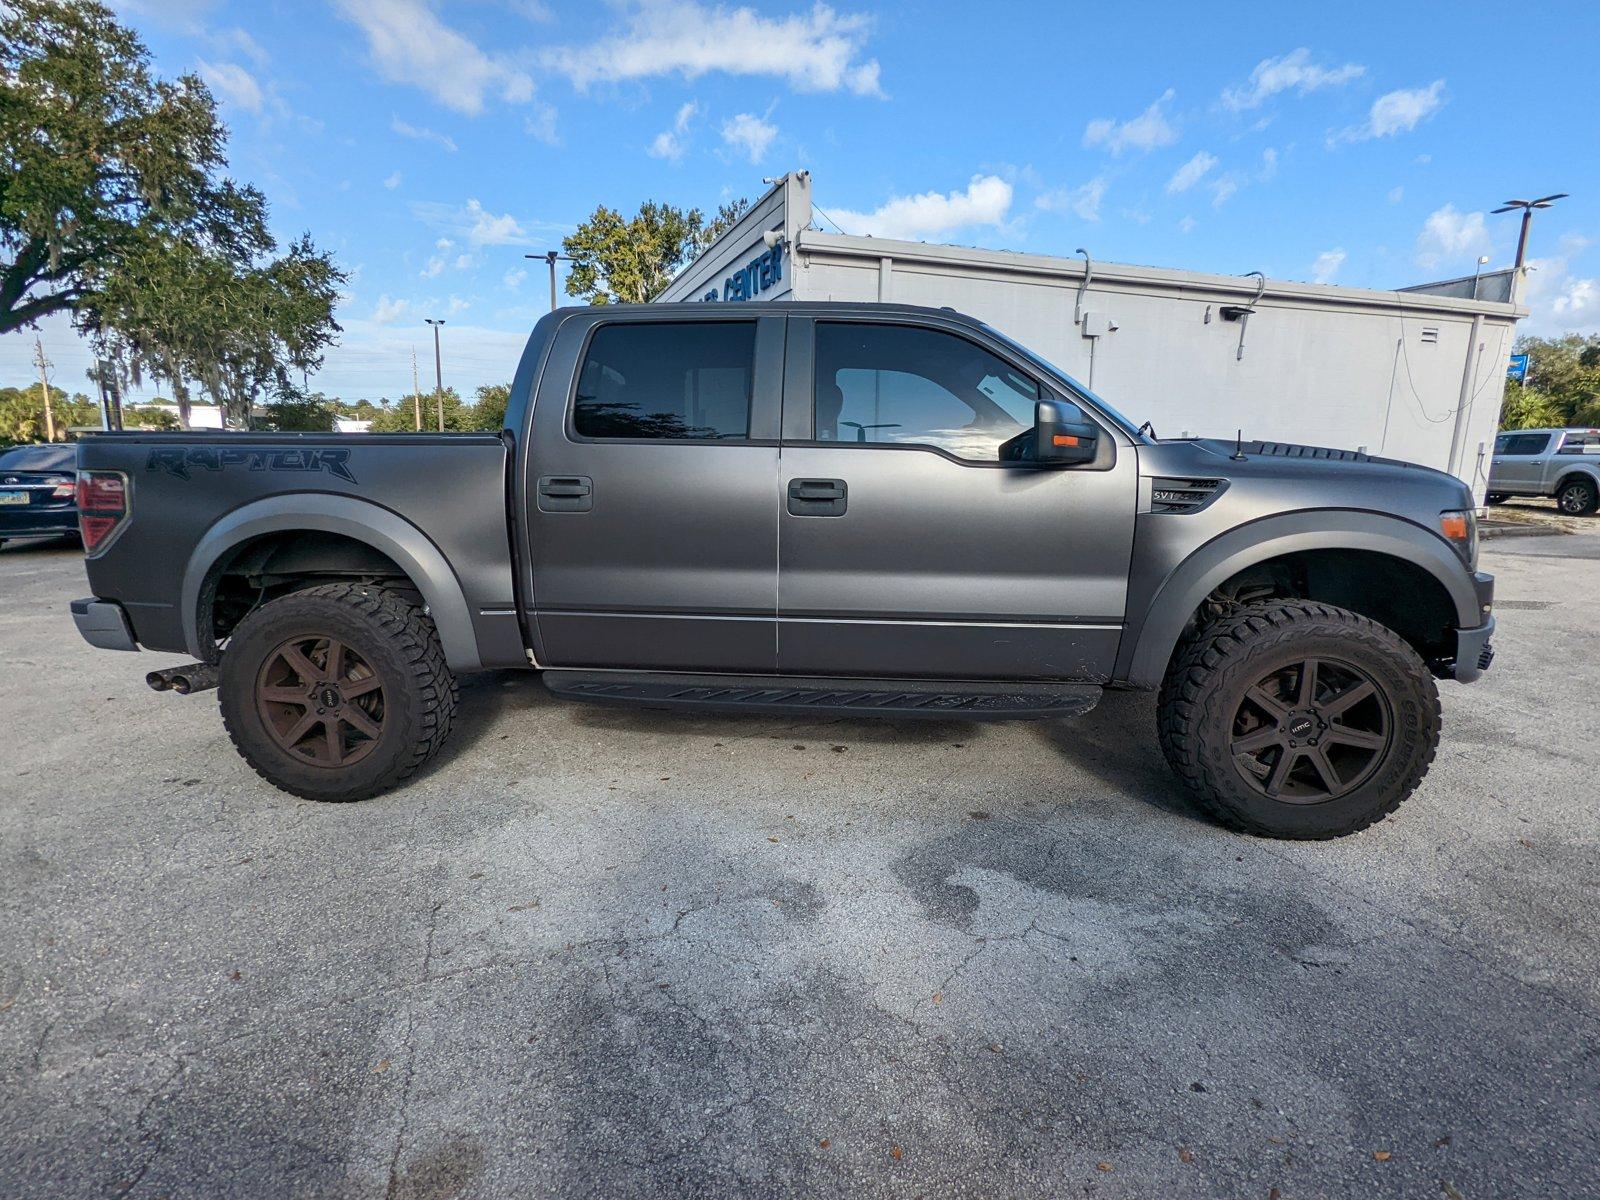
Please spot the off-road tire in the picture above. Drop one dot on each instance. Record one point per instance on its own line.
(1579, 498)
(395, 637)
(1205, 686)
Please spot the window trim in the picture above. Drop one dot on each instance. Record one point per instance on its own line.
(801, 376)
(569, 418)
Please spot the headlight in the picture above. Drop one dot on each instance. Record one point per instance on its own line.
(1460, 528)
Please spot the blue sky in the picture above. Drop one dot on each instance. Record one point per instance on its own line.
(431, 143)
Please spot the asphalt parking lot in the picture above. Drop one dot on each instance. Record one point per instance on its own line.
(605, 953)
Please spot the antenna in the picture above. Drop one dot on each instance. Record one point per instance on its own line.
(1238, 446)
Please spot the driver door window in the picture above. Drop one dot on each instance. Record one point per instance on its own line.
(900, 385)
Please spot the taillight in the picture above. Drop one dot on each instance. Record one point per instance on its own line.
(63, 488)
(102, 506)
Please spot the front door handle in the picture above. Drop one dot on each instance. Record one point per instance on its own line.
(818, 497)
(566, 493)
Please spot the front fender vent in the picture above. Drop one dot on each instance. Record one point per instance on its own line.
(1173, 495)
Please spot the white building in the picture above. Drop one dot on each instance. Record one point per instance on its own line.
(1416, 374)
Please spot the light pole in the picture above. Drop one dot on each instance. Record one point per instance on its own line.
(1483, 261)
(1527, 207)
(551, 257)
(438, 371)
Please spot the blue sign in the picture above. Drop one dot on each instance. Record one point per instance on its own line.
(1517, 368)
(760, 274)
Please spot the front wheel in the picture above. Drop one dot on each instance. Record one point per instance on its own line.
(337, 692)
(1579, 498)
(1295, 719)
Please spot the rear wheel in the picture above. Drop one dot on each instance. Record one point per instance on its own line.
(337, 692)
(1295, 719)
(1578, 497)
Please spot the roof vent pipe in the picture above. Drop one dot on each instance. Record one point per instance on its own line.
(1088, 274)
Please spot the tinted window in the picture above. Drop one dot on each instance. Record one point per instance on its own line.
(668, 381)
(39, 458)
(1521, 444)
(901, 385)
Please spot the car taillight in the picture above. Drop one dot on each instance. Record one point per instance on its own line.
(63, 488)
(102, 506)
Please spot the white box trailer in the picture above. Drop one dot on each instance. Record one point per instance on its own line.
(1416, 374)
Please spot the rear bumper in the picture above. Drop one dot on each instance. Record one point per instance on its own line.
(103, 623)
(43, 522)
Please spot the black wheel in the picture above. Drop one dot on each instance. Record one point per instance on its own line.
(1496, 497)
(1578, 498)
(336, 692)
(1294, 719)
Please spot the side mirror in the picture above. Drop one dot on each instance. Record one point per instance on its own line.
(1062, 434)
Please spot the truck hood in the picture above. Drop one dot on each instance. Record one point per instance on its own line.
(1284, 476)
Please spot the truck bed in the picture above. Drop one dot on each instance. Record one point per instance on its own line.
(447, 490)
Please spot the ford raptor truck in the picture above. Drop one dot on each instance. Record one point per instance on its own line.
(852, 509)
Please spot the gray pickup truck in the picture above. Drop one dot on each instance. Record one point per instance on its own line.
(1564, 463)
(866, 510)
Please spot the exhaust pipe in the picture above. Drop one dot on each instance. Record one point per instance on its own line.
(185, 680)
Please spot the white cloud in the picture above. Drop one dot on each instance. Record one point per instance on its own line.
(670, 144)
(1397, 112)
(1327, 265)
(466, 261)
(393, 181)
(389, 311)
(476, 224)
(818, 51)
(1295, 71)
(434, 267)
(1396, 194)
(1222, 190)
(1269, 166)
(457, 304)
(1186, 176)
(417, 132)
(409, 44)
(986, 201)
(749, 134)
(1187, 224)
(1448, 235)
(513, 278)
(1083, 201)
(1578, 302)
(541, 126)
(233, 84)
(1147, 131)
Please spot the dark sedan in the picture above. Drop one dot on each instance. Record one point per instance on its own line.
(37, 491)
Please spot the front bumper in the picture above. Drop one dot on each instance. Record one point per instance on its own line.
(1474, 652)
(103, 623)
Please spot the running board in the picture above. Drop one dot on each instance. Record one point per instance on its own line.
(962, 701)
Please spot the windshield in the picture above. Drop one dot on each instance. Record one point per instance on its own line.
(1107, 410)
(39, 458)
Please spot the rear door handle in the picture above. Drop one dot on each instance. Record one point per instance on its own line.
(818, 497)
(566, 493)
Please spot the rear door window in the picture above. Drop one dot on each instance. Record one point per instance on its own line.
(1587, 442)
(666, 381)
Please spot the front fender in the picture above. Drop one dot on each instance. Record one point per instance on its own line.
(359, 520)
(1152, 633)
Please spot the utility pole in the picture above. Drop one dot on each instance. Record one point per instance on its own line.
(44, 389)
(438, 371)
(1527, 207)
(551, 257)
(416, 392)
